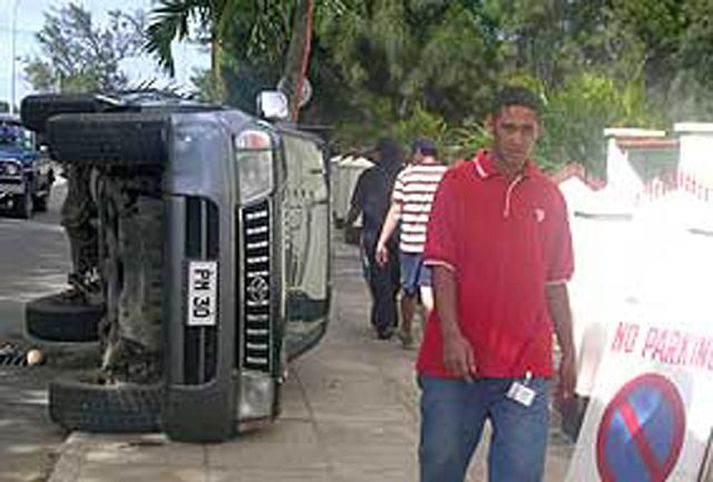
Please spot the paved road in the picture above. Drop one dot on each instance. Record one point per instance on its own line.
(33, 262)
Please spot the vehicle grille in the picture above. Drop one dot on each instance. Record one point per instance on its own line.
(256, 339)
(202, 243)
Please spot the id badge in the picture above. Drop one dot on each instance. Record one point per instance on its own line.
(521, 393)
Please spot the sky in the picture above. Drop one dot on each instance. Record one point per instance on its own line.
(30, 19)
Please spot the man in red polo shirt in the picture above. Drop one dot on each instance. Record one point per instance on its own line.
(500, 249)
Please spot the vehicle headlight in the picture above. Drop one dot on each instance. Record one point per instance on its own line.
(254, 162)
(12, 169)
(257, 396)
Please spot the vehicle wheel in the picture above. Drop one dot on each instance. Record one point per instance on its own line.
(84, 401)
(120, 139)
(36, 110)
(24, 205)
(60, 318)
(40, 203)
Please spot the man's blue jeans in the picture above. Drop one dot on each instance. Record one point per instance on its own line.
(453, 413)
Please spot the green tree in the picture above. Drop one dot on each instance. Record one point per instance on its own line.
(424, 67)
(79, 56)
(577, 113)
(407, 59)
(242, 36)
(672, 38)
(213, 24)
(658, 26)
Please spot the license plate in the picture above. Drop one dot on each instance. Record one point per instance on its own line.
(202, 293)
(12, 189)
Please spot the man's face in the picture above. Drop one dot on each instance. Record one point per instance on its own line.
(516, 130)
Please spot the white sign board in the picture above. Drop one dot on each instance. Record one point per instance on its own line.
(651, 412)
(202, 293)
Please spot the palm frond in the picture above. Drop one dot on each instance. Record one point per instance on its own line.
(171, 20)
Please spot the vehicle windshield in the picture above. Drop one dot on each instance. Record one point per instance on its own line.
(13, 135)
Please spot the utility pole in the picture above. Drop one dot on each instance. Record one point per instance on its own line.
(13, 60)
(298, 53)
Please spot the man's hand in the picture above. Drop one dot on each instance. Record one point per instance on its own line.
(567, 377)
(390, 223)
(382, 254)
(558, 305)
(458, 356)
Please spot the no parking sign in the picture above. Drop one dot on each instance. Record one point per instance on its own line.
(651, 410)
(641, 431)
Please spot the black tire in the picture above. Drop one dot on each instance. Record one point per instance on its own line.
(78, 401)
(54, 318)
(36, 110)
(24, 205)
(117, 139)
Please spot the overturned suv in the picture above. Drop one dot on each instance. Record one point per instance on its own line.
(210, 255)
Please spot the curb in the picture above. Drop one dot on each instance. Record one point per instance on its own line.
(69, 463)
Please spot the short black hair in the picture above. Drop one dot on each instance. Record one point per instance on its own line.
(515, 95)
(389, 150)
(425, 146)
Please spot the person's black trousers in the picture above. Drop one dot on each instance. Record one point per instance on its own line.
(384, 286)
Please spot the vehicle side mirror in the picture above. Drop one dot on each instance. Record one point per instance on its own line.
(273, 105)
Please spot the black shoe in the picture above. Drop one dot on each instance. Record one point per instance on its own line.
(407, 340)
(385, 334)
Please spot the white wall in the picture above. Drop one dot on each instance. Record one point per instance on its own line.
(654, 261)
(696, 140)
(623, 184)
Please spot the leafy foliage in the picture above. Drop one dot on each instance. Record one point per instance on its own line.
(429, 67)
(577, 113)
(406, 63)
(79, 56)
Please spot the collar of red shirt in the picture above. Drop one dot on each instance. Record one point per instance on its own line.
(484, 163)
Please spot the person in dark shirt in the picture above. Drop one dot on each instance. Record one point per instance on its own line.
(371, 198)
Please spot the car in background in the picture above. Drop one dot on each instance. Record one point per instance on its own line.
(26, 175)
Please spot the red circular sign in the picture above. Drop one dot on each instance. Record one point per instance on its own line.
(641, 432)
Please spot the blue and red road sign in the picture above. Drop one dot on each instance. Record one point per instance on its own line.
(641, 432)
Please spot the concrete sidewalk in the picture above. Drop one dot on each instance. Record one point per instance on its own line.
(28, 441)
(350, 414)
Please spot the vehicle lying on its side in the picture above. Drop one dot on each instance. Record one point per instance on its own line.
(200, 234)
(26, 176)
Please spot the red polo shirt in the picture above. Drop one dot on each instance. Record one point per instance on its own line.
(505, 241)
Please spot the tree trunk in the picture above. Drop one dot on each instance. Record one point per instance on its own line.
(220, 92)
(298, 54)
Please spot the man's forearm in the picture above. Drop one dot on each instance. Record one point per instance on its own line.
(561, 315)
(390, 223)
(446, 300)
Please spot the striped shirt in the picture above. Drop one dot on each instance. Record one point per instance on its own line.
(414, 190)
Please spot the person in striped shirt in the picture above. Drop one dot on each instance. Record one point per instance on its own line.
(411, 205)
